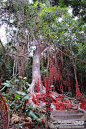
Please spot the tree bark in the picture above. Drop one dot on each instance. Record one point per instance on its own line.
(36, 85)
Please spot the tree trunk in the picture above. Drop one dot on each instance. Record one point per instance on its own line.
(36, 85)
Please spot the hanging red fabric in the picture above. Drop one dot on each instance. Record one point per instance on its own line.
(3, 112)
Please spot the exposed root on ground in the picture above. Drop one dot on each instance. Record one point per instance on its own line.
(31, 89)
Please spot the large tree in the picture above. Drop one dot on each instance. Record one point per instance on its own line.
(37, 21)
(41, 26)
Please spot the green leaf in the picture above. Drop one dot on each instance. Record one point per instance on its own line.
(28, 84)
(7, 84)
(27, 97)
(20, 93)
(20, 77)
(5, 99)
(14, 48)
(31, 114)
(25, 78)
(37, 115)
(17, 96)
(39, 120)
(16, 80)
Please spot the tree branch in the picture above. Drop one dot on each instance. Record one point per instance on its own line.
(3, 46)
(2, 89)
(72, 56)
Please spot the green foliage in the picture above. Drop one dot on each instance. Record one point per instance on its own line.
(16, 98)
(63, 3)
(7, 84)
(6, 64)
(38, 5)
(2, 57)
(28, 109)
(79, 7)
(49, 14)
(35, 117)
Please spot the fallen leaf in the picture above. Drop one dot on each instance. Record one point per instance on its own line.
(15, 118)
(29, 119)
